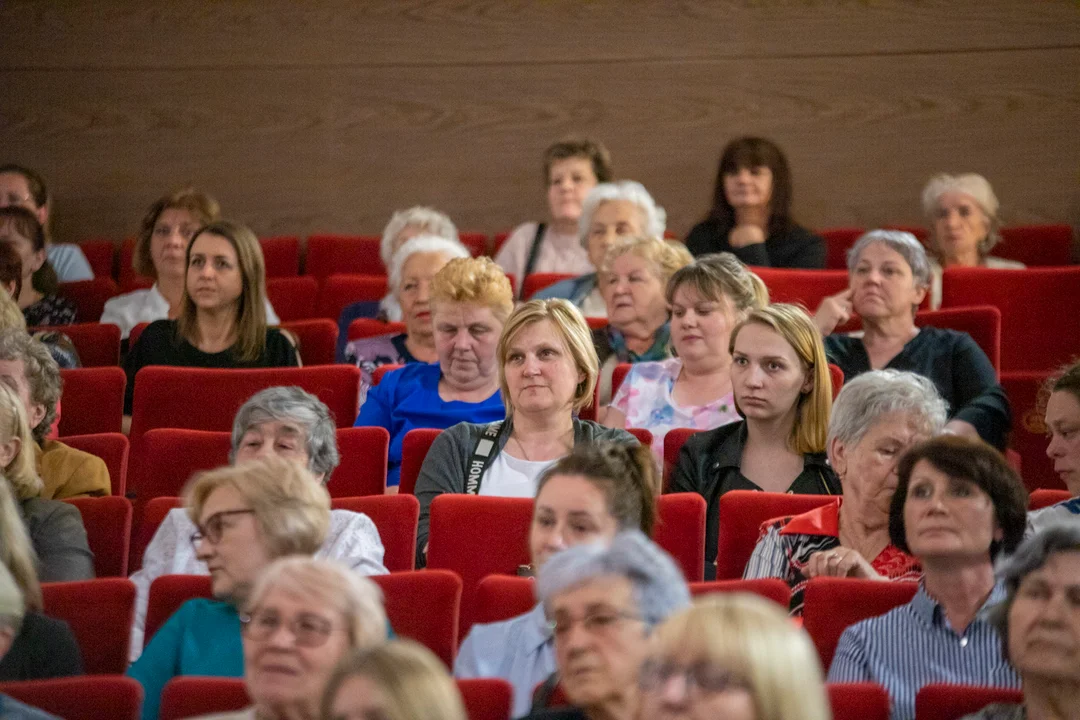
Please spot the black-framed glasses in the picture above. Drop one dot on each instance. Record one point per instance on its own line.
(215, 525)
(595, 623)
(700, 677)
(308, 630)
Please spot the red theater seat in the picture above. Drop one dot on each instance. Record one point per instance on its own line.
(90, 296)
(380, 373)
(100, 254)
(332, 254)
(476, 242)
(281, 255)
(112, 448)
(486, 698)
(167, 594)
(86, 698)
(858, 701)
(395, 517)
(837, 243)
(952, 702)
(618, 374)
(982, 323)
(98, 345)
(100, 613)
(673, 443)
(93, 400)
(293, 298)
(501, 597)
(424, 606)
(317, 340)
(536, 282)
(192, 697)
(769, 588)
(108, 531)
(1045, 498)
(370, 327)
(830, 605)
(680, 530)
(804, 287)
(1036, 245)
(340, 291)
(414, 448)
(1029, 434)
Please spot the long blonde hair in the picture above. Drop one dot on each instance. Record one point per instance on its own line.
(16, 551)
(10, 314)
(21, 472)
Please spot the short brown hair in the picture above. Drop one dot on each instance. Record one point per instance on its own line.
(26, 224)
(977, 463)
(579, 147)
(751, 152)
(39, 193)
(1066, 380)
(205, 209)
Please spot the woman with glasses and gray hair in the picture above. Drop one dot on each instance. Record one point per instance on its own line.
(286, 422)
(890, 275)
(875, 419)
(602, 602)
(1039, 622)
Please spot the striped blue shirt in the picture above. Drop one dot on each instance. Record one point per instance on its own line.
(913, 645)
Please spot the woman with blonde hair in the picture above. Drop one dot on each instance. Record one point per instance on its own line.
(222, 319)
(708, 298)
(547, 372)
(735, 656)
(400, 680)
(469, 304)
(780, 380)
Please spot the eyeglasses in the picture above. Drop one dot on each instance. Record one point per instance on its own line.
(700, 677)
(308, 630)
(213, 527)
(595, 623)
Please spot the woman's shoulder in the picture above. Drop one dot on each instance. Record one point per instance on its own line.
(591, 431)
(206, 614)
(796, 233)
(412, 378)
(39, 511)
(706, 440)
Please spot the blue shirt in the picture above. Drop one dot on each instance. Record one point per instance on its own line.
(913, 645)
(12, 709)
(201, 638)
(408, 398)
(518, 650)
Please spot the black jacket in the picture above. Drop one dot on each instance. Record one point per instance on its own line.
(797, 248)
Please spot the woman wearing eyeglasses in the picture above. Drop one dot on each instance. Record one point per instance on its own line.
(246, 517)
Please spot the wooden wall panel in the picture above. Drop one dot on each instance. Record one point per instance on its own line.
(327, 118)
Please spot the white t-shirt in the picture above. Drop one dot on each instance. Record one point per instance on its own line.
(507, 476)
(145, 306)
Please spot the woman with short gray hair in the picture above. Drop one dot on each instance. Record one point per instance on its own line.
(875, 419)
(602, 602)
(890, 274)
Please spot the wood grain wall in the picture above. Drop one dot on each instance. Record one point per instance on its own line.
(303, 117)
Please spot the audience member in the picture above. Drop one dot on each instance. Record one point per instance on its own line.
(889, 276)
(633, 276)
(962, 213)
(611, 210)
(34, 646)
(751, 212)
(291, 424)
(591, 494)
(222, 321)
(39, 296)
(957, 506)
(11, 271)
(10, 314)
(603, 601)
(398, 680)
(1040, 625)
(470, 302)
(28, 368)
(328, 611)
(412, 271)
(1063, 425)
(572, 167)
(734, 656)
(245, 517)
(693, 389)
(876, 418)
(12, 615)
(160, 253)
(547, 373)
(782, 389)
(20, 186)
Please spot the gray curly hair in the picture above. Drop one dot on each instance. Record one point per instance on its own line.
(870, 396)
(292, 404)
(42, 375)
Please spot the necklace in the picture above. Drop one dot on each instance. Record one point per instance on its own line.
(525, 453)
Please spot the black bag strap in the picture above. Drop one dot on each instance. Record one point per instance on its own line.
(541, 699)
(483, 453)
(534, 252)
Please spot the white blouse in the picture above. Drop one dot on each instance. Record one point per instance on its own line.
(145, 306)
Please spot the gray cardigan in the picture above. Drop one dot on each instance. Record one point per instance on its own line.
(445, 467)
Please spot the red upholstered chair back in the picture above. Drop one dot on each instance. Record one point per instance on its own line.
(1028, 436)
(487, 698)
(328, 254)
(101, 254)
(370, 327)
(1045, 498)
(501, 597)
(476, 242)
(362, 472)
(98, 345)
(1040, 311)
(317, 340)
(293, 298)
(982, 323)
(424, 606)
(340, 291)
(395, 517)
(108, 531)
(167, 594)
(133, 336)
(805, 287)
(146, 524)
(281, 256)
(90, 296)
(129, 279)
(1036, 245)
(830, 605)
(192, 696)
(836, 377)
(858, 701)
(113, 448)
(538, 281)
(414, 448)
(86, 698)
(618, 374)
(93, 401)
(773, 589)
(100, 613)
(477, 536)
(673, 443)
(380, 373)
(741, 514)
(166, 458)
(837, 243)
(680, 530)
(952, 702)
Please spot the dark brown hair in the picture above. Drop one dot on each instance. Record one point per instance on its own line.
(973, 461)
(10, 268)
(626, 474)
(204, 208)
(752, 152)
(26, 224)
(1066, 380)
(38, 191)
(576, 147)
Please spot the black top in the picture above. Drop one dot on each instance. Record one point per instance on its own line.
(44, 648)
(710, 465)
(797, 248)
(51, 310)
(953, 362)
(160, 344)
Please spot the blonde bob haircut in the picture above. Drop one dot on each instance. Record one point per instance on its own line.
(754, 639)
(201, 206)
(413, 683)
(329, 584)
(793, 324)
(251, 310)
(291, 507)
(666, 258)
(570, 326)
(21, 472)
(478, 281)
